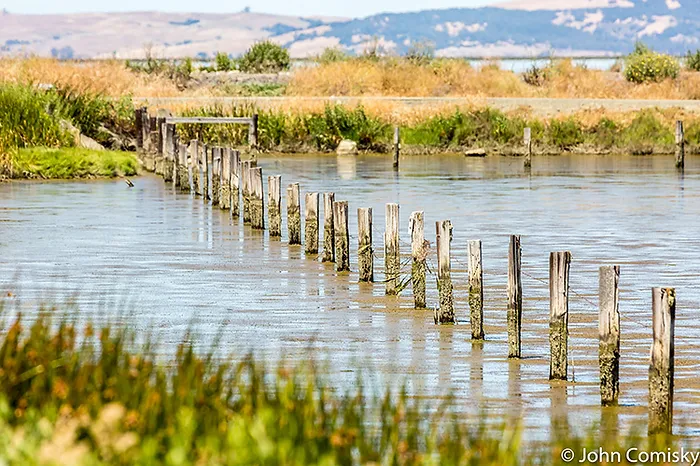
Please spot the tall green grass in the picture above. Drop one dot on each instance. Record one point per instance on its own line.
(71, 162)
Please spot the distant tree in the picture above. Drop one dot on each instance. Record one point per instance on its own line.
(265, 57)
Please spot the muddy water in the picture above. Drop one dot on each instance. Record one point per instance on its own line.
(166, 262)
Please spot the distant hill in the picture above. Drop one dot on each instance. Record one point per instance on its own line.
(522, 28)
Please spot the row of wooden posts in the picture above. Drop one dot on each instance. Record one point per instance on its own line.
(218, 174)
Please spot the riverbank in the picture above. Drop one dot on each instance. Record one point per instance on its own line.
(68, 163)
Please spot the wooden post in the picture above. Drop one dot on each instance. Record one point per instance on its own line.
(609, 333)
(138, 125)
(168, 152)
(392, 257)
(419, 254)
(215, 174)
(257, 205)
(160, 141)
(515, 298)
(559, 264)
(152, 144)
(225, 179)
(235, 183)
(245, 189)
(274, 205)
(293, 214)
(443, 233)
(661, 367)
(183, 173)
(195, 167)
(527, 139)
(397, 147)
(365, 252)
(342, 236)
(253, 131)
(476, 290)
(176, 165)
(311, 205)
(207, 171)
(680, 145)
(328, 230)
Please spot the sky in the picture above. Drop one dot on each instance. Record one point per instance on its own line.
(355, 8)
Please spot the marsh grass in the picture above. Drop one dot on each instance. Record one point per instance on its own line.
(70, 162)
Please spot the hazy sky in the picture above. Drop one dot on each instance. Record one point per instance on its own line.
(354, 8)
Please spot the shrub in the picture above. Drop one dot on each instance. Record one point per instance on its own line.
(421, 53)
(644, 65)
(536, 76)
(332, 55)
(265, 57)
(223, 62)
(692, 60)
(565, 134)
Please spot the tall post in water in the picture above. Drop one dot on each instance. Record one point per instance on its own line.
(225, 179)
(559, 264)
(253, 131)
(328, 230)
(527, 139)
(207, 171)
(311, 205)
(661, 366)
(392, 258)
(168, 151)
(419, 254)
(138, 125)
(274, 205)
(183, 172)
(446, 313)
(215, 175)
(234, 182)
(609, 333)
(342, 236)
(174, 157)
(397, 147)
(680, 145)
(258, 203)
(160, 142)
(245, 189)
(153, 138)
(293, 214)
(476, 290)
(195, 164)
(365, 252)
(515, 298)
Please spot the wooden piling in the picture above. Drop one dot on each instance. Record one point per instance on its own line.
(527, 139)
(293, 214)
(559, 264)
(365, 252)
(476, 290)
(446, 312)
(680, 145)
(253, 131)
(168, 151)
(328, 230)
(176, 165)
(342, 236)
(225, 179)
(215, 174)
(311, 205)
(419, 254)
(257, 205)
(152, 152)
(397, 147)
(138, 125)
(183, 173)
(245, 190)
(235, 183)
(515, 298)
(274, 205)
(207, 158)
(609, 334)
(160, 142)
(392, 256)
(661, 366)
(195, 167)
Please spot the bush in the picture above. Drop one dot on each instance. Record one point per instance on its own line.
(536, 76)
(421, 53)
(692, 60)
(645, 65)
(223, 62)
(332, 55)
(565, 134)
(265, 57)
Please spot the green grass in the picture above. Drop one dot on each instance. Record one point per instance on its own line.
(71, 162)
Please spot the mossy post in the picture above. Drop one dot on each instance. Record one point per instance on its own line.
(419, 254)
(235, 182)
(328, 230)
(476, 290)
(342, 236)
(274, 205)
(609, 334)
(207, 158)
(392, 257)
(527, 139)
(661, 366)
(253, 131)
(311, 206)
(215, 175)
(183, 169)
(225, 179)
(680, 145)
(514, 313)
(365, 252)
(397, 147)
(293, 214)
(257, 199)
(245, 190)
(559, 265)
(446, 313)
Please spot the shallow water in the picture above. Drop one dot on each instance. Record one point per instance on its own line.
(157, 259)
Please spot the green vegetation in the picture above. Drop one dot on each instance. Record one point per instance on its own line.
(692, 60)
(178, 72)
(224, 62)
(644, 65)
(252, 89)
(421, 53)
(332, 55)
(71, 162)
(265, 57)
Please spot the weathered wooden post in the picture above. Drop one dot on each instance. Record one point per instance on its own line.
(397, 147)
(527, 139)
(258, 204)
(476, 290)
(559, 264)
(661, 366)
(342, 236)
(446, 312)
(138, 125)
(365, 252)
(253, 131)
(293, 214)
(680, 144)
(245, 189)
(175, 173)
(194, 167)
(225, 179)
(235, 183)
(215, 175)
(609, 333)
(328, 230)
(160, 141)
(515, 298)
(207, 171)
(168, 152)
(183, 172)
(274, 205)
(153, 136)
(419, 255)
(311, 205)
(392, 257)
